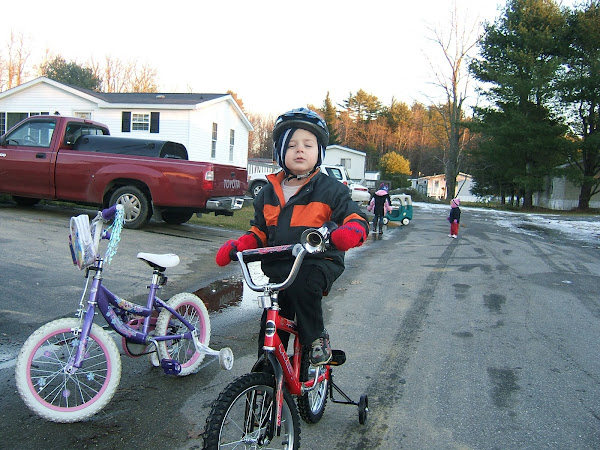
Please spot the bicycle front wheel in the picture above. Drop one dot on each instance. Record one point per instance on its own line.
(183, 350)
(241, 416)
(55, 394)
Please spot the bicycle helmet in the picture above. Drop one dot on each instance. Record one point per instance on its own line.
(287, 123)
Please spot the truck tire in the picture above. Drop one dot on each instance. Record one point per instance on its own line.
(174, 217)
(25, 201)
(135, 204)
(256, 187)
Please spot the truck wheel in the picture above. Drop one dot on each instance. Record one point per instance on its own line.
(135, 204)
(25, 201)
(256, 187)
(175, 217)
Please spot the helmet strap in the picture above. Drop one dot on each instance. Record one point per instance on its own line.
(291, 176)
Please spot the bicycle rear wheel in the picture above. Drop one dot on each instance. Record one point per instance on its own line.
(46, 387)
(311, 404)
(183, 350)
(241, 416)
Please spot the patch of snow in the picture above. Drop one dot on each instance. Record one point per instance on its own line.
(583, 228)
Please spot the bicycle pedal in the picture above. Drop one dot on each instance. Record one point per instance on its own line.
(170, 366)
(338, 358)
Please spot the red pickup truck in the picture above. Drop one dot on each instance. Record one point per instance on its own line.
(66, 158)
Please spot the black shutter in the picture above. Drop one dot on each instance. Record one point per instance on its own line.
(154, 122)
(126, 122)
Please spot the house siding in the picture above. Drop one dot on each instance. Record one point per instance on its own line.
(42, 97)
(562, 195)
(335, 153)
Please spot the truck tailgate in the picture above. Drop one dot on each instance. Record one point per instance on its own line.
(229, 181)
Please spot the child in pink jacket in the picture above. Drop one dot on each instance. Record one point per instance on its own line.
(380, 205)
(454, 217)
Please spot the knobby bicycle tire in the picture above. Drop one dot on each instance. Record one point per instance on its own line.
(311, 404)
(241, 415)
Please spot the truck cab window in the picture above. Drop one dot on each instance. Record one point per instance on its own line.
(32, 134)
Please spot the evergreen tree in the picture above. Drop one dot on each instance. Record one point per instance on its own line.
(330, 116)
(518, 58)
(71, 73)
(580, 89)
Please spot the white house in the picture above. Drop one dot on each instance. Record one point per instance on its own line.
(211, 126)
(435, 186)
(561, 194)
(352, 160)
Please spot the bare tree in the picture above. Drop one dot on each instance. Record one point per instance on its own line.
(16, 60)
(143, 79)
(456, 43)
(125, 76)
(260, 141)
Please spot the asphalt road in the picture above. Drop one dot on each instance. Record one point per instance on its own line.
(487, 341)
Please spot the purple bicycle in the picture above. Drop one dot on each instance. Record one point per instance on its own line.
(69, 369)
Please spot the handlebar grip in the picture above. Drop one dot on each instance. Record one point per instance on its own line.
(265, 253)
(109, 213)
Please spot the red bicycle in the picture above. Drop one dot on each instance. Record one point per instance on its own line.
(257, 410)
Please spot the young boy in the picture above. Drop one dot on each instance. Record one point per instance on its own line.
(298, 197)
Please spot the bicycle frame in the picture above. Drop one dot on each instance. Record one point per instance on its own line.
(111, 306)
(285, 370)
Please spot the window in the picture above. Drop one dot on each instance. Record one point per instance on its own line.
(2, 123)
(14, 118)
(213, 150)
(77, 129)
(231, 143)
(140, 122)
(346, 162)
(36, 133)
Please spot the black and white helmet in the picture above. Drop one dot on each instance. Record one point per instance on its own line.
(288, 122)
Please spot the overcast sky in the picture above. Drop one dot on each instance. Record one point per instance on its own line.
(275, 54)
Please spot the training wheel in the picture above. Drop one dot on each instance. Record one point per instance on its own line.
(226, 358)
(363, 409)
(385, 220)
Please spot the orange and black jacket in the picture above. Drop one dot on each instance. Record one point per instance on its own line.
(321, 199)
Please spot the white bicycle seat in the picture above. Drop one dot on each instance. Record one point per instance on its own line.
(165, 260)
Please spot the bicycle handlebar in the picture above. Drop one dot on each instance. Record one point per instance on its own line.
(109, 213)
(313, 240)
(297, 250)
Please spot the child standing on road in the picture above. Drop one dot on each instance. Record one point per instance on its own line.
(298, 197)
(380, 205)
(454, 217)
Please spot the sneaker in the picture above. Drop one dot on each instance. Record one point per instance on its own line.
(454, 236)
(320, 352)
(450, 235)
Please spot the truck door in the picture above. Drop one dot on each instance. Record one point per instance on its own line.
(26, 159)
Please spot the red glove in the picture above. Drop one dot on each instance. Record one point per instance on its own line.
(348, 236)
(227, 252)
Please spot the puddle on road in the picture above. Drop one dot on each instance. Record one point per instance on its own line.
(227, 293)
(221, 294)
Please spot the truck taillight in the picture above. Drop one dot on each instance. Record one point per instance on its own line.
(209, 178)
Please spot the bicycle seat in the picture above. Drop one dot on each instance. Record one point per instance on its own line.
(157, 261)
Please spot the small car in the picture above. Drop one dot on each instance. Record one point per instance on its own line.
(359, 193)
